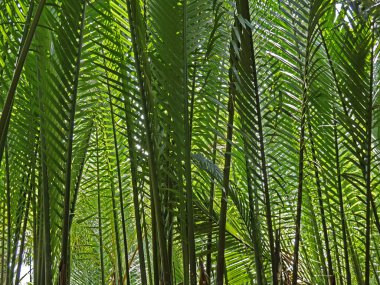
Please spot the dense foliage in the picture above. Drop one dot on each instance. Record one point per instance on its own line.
(189, 142)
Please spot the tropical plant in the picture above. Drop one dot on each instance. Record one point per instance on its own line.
(189, 142)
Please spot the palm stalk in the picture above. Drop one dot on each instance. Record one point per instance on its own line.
(330, 276)
(367, 172)
(64, 266)
(114, 215)
(220, 265)
(187, 159)
(211, 202)
(299, 190)
(144, 86)
(250, 69)
(135, 189)
(100, 229)
(9, 218)
(121, 199)
(23, 231)
(22, 203)
(45, 238)
(3, 270)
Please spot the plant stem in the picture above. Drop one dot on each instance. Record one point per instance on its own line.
(141, 65)
(220, 265)
(99, 211)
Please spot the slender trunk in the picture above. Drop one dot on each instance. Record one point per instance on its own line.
(79, 177)
(335, 241)
(299, 191)
(22, 224)
(23, 233)
(29, 199)
(46, 243)
(318, 253)
(220, 266)
(367, 172)
(65, 253)
(187, 158)
(169, 198)
(337, 166)
(45, 213)
(211, 201)
(184, 230)
(99, 212)
(341, 202)
(41, 264)
(3, 238)
(16, 235)
(331, 276)
(144, 226)
(119, 275)
(304, 111)
(134, 173)
(9, 217)
(248, 63)
(121, 200)
(36, 230)
(142, 69)
(255, 229)
(156, 261)
(135, 189)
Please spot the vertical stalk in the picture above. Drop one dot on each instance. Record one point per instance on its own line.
(299, 191)
(3, 263)
(135, 189)
(341, 202)
(36, 231)
(21, 206)
(147, 246)
(156, 261)
(334, 234)
(169, 197)
(23, 235)
(211, 201)
(115, 218)
(65, 253)
(44, 229)
(99, 211)
(9, 218)
(248, 63)
(337, 164)
(29, 198)
(133, 166)
(187, 150)
(318, 253)
(79, 177)
(304, 111)
(367, 172)
(255, 229)
(141, 65)
(220, 266)
(331, 276)
(121, 200)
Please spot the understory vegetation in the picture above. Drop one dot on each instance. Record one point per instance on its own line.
(189, 142)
